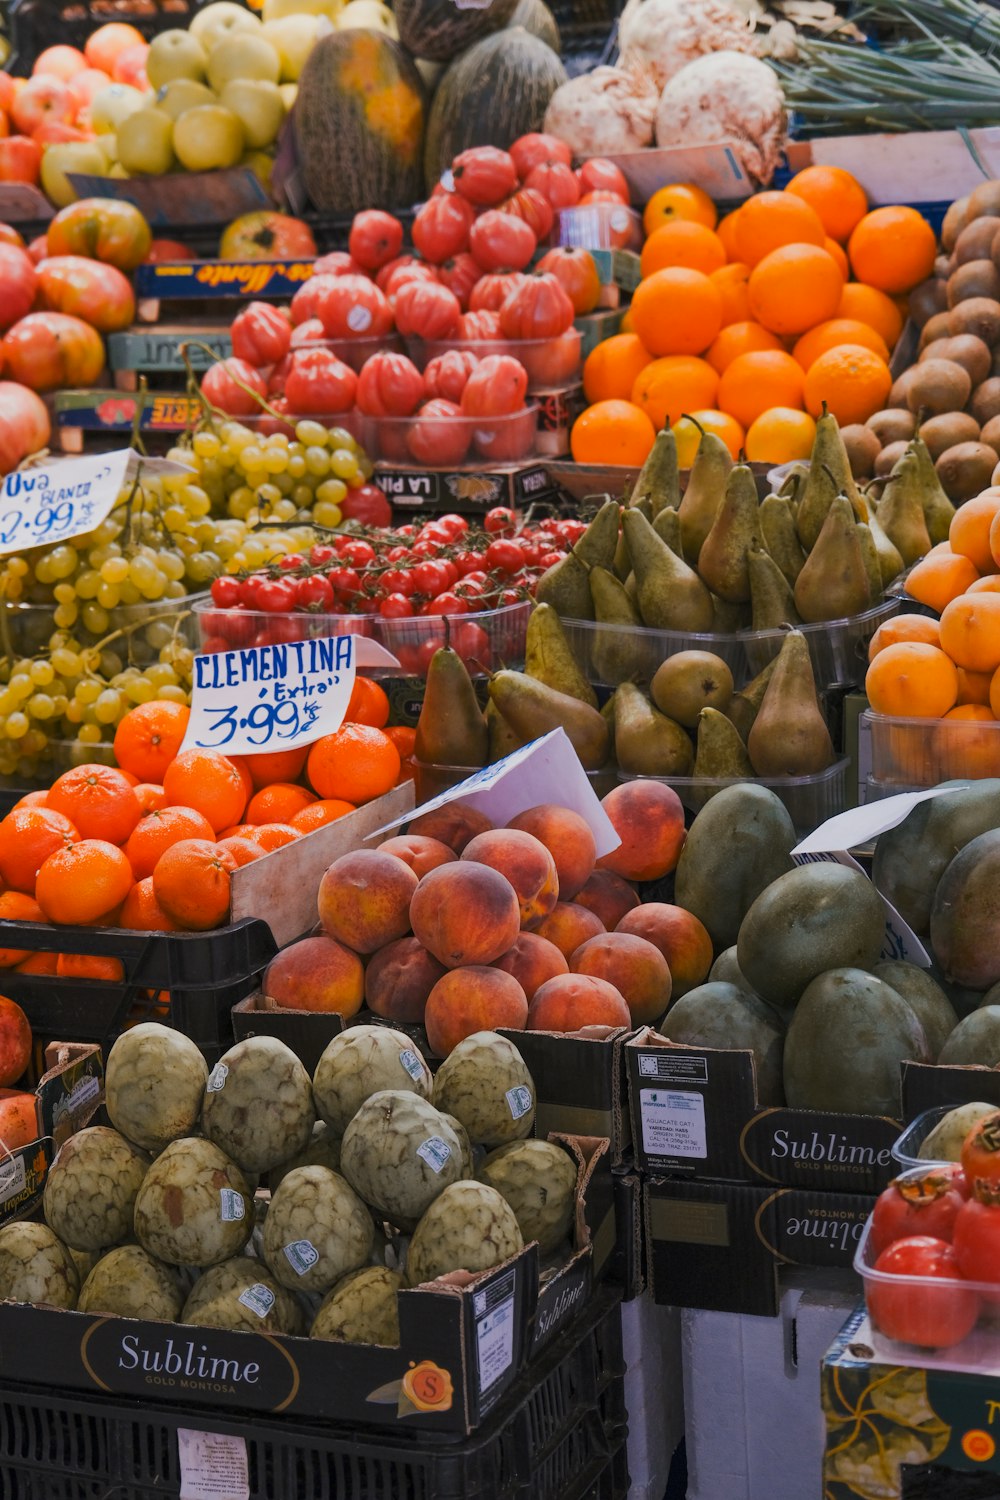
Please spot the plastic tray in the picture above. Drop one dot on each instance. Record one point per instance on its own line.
(647, 649)
(906, 1148)
(839, 648)
(550, 363)
(450, 443)
(809, 800)
(923, 752)
(26, 628)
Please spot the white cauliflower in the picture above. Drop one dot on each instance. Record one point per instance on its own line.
(726, 97)
(666, 35)
(605, 112)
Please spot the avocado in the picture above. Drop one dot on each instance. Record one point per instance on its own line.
(739, 842)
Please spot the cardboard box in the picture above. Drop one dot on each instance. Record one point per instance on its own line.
(719, 1245)
(67, 1096)
(579, 1083)
(929, 1085)
(924, 166)
(627, 1266)
(409, 487)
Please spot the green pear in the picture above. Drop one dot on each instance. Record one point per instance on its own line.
(706, 487)
(789, 736)
(833, 583)
(647, 743)
(532, 709)
(829, 476)
(451, 730)
(720, 753)
(659, 478)
(670, 595)
(901, 513)
(548, 656)
(781, 540)
(616, 652)
(771, 599)
(723, 560)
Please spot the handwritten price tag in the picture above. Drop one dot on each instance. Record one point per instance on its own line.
(59, 500)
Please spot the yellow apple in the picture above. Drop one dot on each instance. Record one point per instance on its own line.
(243, 56)
(145, 142)
(181, 94)
(207, 138)
(260, 165)
(175, 54)
(258, 106)
(289, 93)
(70, 156)
(213, 24)
(274, 10)
(371, 15)
(113, 105)
(294, 37)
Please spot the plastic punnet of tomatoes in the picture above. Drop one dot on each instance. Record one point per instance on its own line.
(551, 363)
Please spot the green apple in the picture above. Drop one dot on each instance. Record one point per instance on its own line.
(113, 105)
(181, 94)
(70, 156)
(260, 164)
(289, 93)
(213, 24)
(207, 138)
(259, 107)
(294, 37)
(274, 10)
(243, 56)
(371, 15)
(146, 143)
(175, 54)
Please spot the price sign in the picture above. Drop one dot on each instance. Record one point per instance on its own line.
(49, 504)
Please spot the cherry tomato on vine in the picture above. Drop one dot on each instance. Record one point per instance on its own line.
(505, 555)
(502, 519)
(395, 607)
(226, 592)
(276, 595)
(315, 594)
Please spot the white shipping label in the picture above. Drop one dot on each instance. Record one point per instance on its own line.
(519, 1101)
(435, 1152)
(301, 1255)
(673, 1123)
(231, 1205)
(213, 1466)
(495, 1342)
(12, 1178)
(411, 1064)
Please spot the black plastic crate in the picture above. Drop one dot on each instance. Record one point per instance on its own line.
(559, 1435)
(37, 24)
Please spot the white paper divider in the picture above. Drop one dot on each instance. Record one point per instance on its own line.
(859, 825)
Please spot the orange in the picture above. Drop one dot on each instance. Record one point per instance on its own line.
(838, 331)
(683, 243)
(794, 288)
(732, 283)
(277, 803)
(769, 220)
(780, 435)
(689, 429)
(154, 834)
(32, 799)
(850, 381)
(209, 783)
(893, 249)
(36, 963)
(759, 380)
(968, 534)
(970, 631)
(356, 763)
(28, 835)
(97, 800)
(995, 540)
(403, 737)
(275, 765)
(973, 687)
(626, 325)
(243, 770)
(904, 628)
(612, 432)
(84, 883)
(669, 387)
(839, 254)
(835, 195)
(912, 680)
(368, 705)
(679, 200)
(868, 305)
(676, 311)
(737, 339)
(971, 753)
(939, 578)
(994, 699)
(268, 836)
(141, 912)
(15, 906)
(988, 585)
(191, 883)
(243, 851)
(149, 796)
(319, 814)
(610, 370)
(89, 966)
(149, 737)
(726, 230)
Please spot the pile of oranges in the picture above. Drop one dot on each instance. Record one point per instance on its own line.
(150, 845)
(750, 324)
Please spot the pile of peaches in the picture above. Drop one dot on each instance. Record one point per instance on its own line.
(461, 927)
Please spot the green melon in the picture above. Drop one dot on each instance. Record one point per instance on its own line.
(496, 91)
(359, 123)
(439, 30)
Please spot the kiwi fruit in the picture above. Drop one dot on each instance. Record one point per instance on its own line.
(889, 458)
(955, 220)
(977, 278)
(943, 267)
(985, 402)
(938, 385)
(863, 448)
(991, 435)
(895, 424)
(930, 297)
(936, 327)
(965, 470)
(984, 200)
(900, 387)
(948, 430)
(976, 240)
(979, 315)
(966, 350)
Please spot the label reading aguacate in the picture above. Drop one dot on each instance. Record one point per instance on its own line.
(231, 1205)
(412, 1064)
(435, 1152)
(217, 1079)
(258, 1298)
(673, 1123)
(519, 1101)
(301, 1255)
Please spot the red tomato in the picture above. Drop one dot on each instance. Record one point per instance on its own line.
(598, 175)
(460, 275)
(436, 438)
(484, 175)
(168, 250)
(307, 333)
(103, 229)
(375, 239)
(337, 263)
(981, 1150)
(501, 242)
(99, 294)
(534, 208)
(403, 274)
(504, 555)
(976, 1235)
(219, 386)
(396, 607)
(916, 1204)
(10, 236)
(353, 307)
(500, 521)
(577, 274)
(538, 309)
(505, 440)
(479, 325)
(491, 292)
(552, 362)
(18, 283)
(318, 383)
(390, 385)
(447, 374)
(537, 149)
(24, 424)
(556, 181)
(496, 387)
(306, 301)
(262, 335)
(266, 235)
(441, 227)
(46, 350)
(914, 1312)
(472, 644)
(38, 248)
(278, 376)
(383, 275)
(20, 159)
(427, 310)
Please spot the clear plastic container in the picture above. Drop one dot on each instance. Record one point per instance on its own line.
(450, 443)
(550, 363)
(839, 648)
(643, 650)
(599, 226)
(432, 780)
(25, 629)
(809, 800)
(916, 753)
(355, 352)
(907, 1148)
(57, 756)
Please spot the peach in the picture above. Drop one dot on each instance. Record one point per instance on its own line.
(399, 978)
(420, 853)
(609, 896)
(680, 937)
(465, 913)
(18, 1119)
(568, 839)
(571, 1001)
(635, 967)
(526, 863)
(532, 961)
(649, 819)
(364, 899)
(568, 925)
(15, 1041)
(469, 1000)
(316, 973)
(454, 824)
